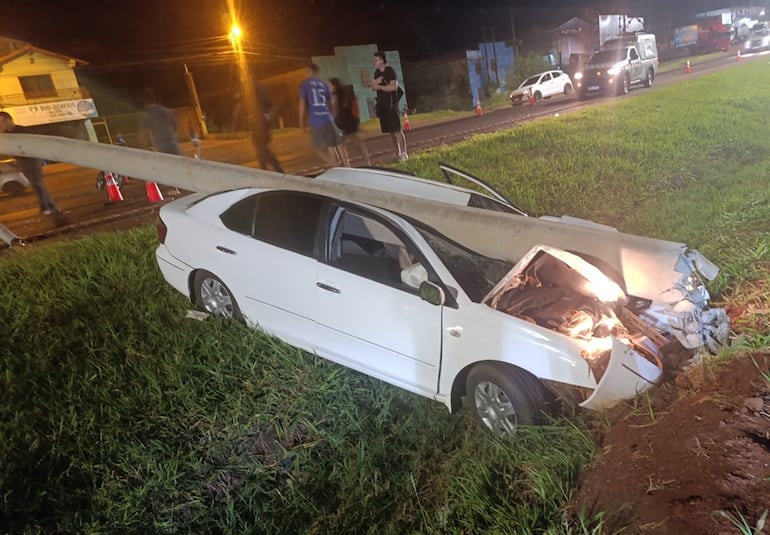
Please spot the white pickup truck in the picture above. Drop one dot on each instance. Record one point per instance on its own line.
(618, 65)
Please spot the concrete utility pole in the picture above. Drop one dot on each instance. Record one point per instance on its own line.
(203, 131)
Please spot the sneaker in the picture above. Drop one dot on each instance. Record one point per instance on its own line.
(403, 157)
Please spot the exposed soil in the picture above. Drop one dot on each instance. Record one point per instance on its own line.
(700, 445)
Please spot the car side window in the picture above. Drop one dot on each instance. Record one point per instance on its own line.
(282, 218)
(556, 75)
(632, 54)
(546, 77)
(367, 247)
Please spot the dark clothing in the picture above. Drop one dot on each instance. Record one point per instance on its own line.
(32, 168)
(387, 110)
(161, 122)
(260, 131)
(347, 118)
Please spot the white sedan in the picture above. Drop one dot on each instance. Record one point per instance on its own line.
(395, 298)
(542, 85)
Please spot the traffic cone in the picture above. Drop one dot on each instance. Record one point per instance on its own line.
(153, 192)
(738, 57)
(407, 125)
(113, 191)
(531, 98)
(687, 68)
(479, 111)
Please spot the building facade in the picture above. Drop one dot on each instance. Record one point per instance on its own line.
(40, 90)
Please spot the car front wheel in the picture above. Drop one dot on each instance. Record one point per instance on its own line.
(502, 398)
(214, 297)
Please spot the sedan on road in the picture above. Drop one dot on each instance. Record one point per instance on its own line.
(542, 85)
(394, 297)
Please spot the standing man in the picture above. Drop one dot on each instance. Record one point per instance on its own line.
(385, 83)
(32, 168)
(314, 95)
(260, 130)
(160, 123)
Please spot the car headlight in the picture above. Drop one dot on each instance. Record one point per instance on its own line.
(613, 71)
(578, 76)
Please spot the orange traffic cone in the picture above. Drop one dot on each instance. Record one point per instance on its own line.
(531, 97)
(687, 68)
(738, 57)
(479, 111)
(153, 192)
(113, 191)
(407, 125)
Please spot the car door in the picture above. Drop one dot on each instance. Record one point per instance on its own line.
(545, 85)
(634, 64)
(369, 318)
(272, 264)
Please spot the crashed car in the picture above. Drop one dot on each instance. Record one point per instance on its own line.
(12, 181)
(542, 85)
(565, 310)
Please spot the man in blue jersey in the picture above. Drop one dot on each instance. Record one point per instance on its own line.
(315, 100)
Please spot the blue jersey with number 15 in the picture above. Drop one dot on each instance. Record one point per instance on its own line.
(316, 93)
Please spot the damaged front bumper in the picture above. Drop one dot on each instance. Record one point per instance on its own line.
(622, 337)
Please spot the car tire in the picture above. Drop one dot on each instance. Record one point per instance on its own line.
(582, 94)
(567, 89)
(502, 398)
(538, 96)
(624, 86)
(649, 79)
(214, 297)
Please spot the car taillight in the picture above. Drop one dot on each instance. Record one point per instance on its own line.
(162, 230)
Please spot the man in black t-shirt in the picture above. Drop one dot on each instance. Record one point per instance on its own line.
(385, 83)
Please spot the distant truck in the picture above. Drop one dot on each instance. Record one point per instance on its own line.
(618, 65)
(703, 38)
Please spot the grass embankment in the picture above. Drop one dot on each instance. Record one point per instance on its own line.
(119, 415)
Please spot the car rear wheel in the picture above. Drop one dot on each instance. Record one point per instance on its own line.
(567, 89)
(503, 398)
(214, 297)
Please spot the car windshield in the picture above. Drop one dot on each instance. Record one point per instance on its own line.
(532, 80)
(475, 273)
(607, 56)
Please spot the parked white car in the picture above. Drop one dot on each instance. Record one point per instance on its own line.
(395, 298)
(12, 181)
(542, 85)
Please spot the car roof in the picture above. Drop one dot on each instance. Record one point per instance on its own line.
(399, 183)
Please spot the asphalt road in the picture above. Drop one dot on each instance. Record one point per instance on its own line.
(86, 210)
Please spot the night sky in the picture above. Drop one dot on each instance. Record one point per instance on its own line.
(131, 42)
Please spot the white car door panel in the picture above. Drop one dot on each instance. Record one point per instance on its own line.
(368, 318)
(390, 333)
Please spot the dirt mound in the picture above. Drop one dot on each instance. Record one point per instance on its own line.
(692, 447)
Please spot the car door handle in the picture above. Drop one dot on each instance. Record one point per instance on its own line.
(226, 250)
(455, 331)
(328, 288)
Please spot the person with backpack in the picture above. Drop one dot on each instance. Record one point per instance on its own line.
(385, 83)
(347, 117)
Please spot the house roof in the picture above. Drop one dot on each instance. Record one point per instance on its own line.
(573, 24)
(12, 48)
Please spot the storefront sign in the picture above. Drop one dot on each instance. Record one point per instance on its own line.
(52, 112)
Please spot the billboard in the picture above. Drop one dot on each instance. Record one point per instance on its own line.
(614, 26)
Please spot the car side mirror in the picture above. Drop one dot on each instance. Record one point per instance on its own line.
(432, 293)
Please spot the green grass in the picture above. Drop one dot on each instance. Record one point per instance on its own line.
(118, 415)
